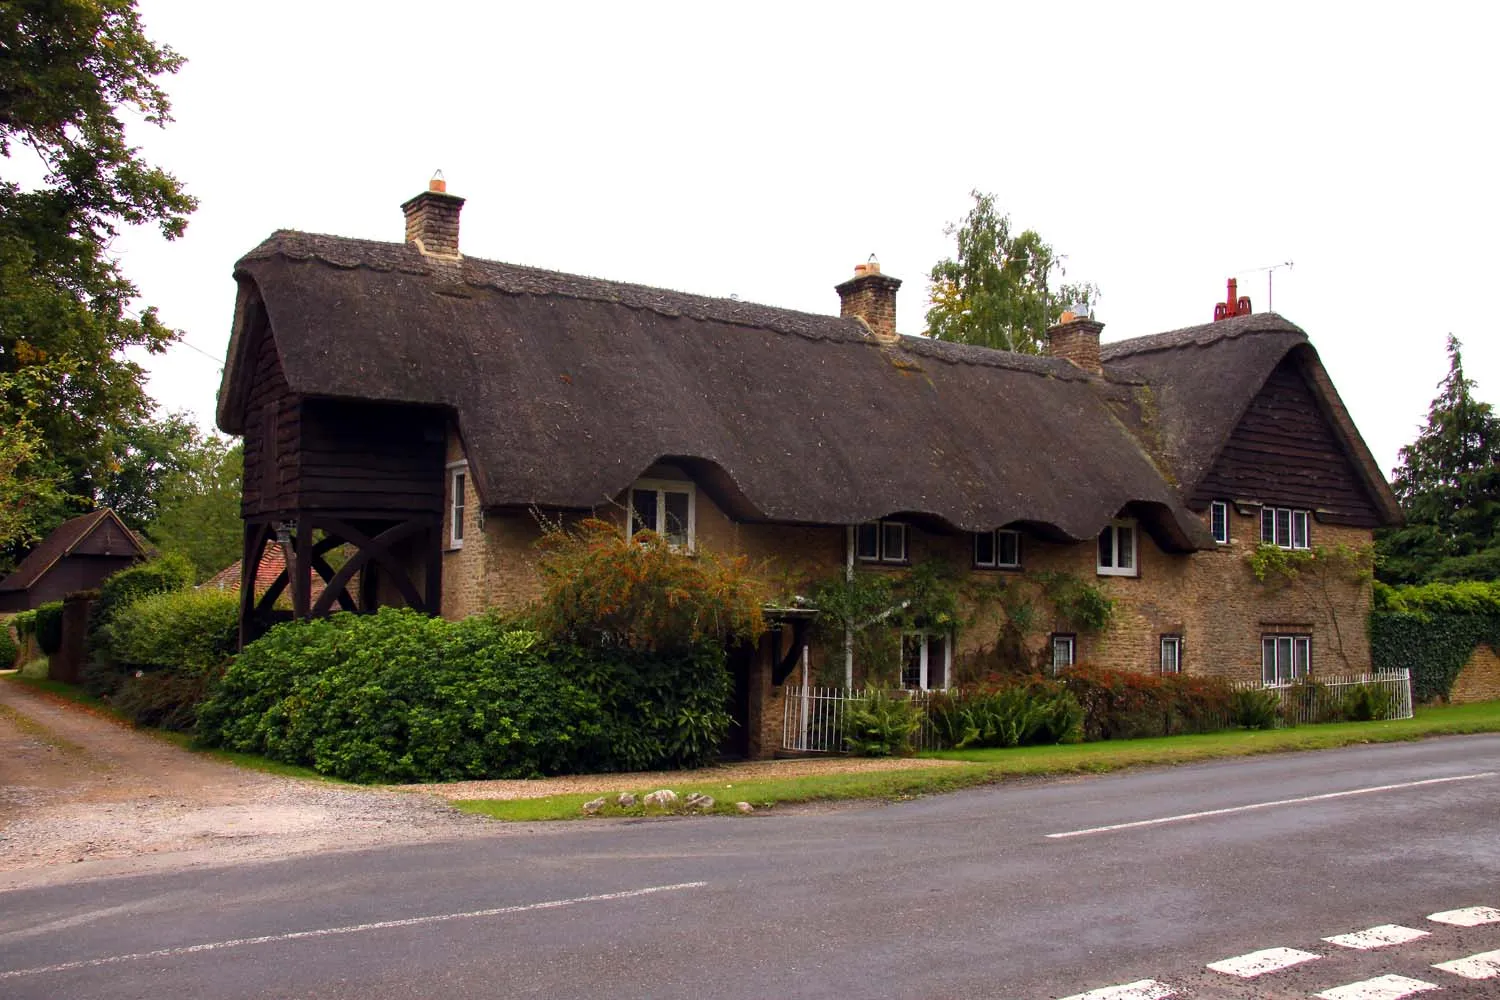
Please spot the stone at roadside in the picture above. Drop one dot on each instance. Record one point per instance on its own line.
(744, 807)
(593, 805)
(697, 800)
(625, 801)
(662, 797)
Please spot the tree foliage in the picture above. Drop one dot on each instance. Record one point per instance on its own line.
(72, 70)
(198, 506)
(1448, 484)
(996, 291)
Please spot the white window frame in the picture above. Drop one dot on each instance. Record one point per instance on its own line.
(661, 487)
(1285, 657)
(1068, 643)
(881, 554)
(1115, 569)
(1296, 522)
(994, 536)
(1171, 654)
(458, 481)
(1218, 521)
(924, 663)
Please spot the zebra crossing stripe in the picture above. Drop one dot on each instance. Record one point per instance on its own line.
(1485, 965)
(1469, 916)
(1146, 989)
(1258, 963)
(1376, 937)
(1380, 988)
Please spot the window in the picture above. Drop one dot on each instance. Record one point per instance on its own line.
(999, 549)
(458, 478)
(1218, 519)
(667, 508)
(1171, 654)
(1284, 658)
(1285, 528)
(880, 541)
(926, 660)
(1117, 549)
(1064, 652)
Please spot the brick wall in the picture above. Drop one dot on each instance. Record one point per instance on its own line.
(1479, 680)
(1078, 342)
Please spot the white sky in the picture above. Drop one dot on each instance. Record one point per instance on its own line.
(764, 149)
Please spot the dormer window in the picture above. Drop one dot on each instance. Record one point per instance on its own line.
(880, 541)
(999, 549)
(1117, 549)
(1285, 528)
(667, 508)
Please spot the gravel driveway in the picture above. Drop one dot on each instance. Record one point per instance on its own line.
(83, 795)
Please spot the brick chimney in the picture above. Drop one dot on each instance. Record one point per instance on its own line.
(1075, 338)
(432, 219)
(871, 296)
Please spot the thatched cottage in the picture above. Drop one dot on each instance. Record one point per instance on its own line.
(420, 407)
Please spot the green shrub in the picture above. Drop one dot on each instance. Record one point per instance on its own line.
(49, 629)
(9, 649)
(1121, 704)
(166, 699)
(1255, 708)
(881, 725)
(170, 572)
(1368, 702)
(1310, 700)
(397, 696)
(1014, 715)
(24, 624)
(191, 631)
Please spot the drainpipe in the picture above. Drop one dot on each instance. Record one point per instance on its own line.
(849, 626)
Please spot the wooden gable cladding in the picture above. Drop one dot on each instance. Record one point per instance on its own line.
(1285, 451)
(336, 455)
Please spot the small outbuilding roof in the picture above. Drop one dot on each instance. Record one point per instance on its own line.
(62, 541)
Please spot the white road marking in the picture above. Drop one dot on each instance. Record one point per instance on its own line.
(1376, 937)
(499, 911)
(1485, 965)
(1146, 989)
(1258, 963)
(1469, 916)
(1183, 817)
(1381, 988)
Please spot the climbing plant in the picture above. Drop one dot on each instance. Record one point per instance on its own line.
(1330, 569)
(1433, 630)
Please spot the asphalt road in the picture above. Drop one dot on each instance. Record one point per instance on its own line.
(966, 895)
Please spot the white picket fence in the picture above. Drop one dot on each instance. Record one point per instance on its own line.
(812, 718)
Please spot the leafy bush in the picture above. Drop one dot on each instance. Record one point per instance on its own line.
(191, 631)
(24, 624)
(1018, 715)
(1119, 704)
(49, 627)
(1312, 701)
(881, 725)
(166, 699)
(604, 590)
(9, 650)
(1433, 630)
(397, 696)
(171, 572)
(1255, 708)
(1368, 702)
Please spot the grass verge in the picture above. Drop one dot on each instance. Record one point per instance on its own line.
(982, 767)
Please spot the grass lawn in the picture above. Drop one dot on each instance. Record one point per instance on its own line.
(981, 767)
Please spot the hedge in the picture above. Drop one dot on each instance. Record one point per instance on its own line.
(1123, 704)
(170, 572)
(399, 697)
(1433, 629)
(49, 627)
(8, 648)
(192, 631)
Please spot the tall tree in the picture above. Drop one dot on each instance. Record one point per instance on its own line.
(198, 507)
(70, 69)
(996, 291)
(1448, 484)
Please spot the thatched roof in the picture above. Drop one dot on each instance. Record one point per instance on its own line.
(1202, 379)
(565, 389)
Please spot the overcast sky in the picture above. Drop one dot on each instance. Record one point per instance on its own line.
(764, 149)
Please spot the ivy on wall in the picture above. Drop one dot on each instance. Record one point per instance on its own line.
(1433, 630)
